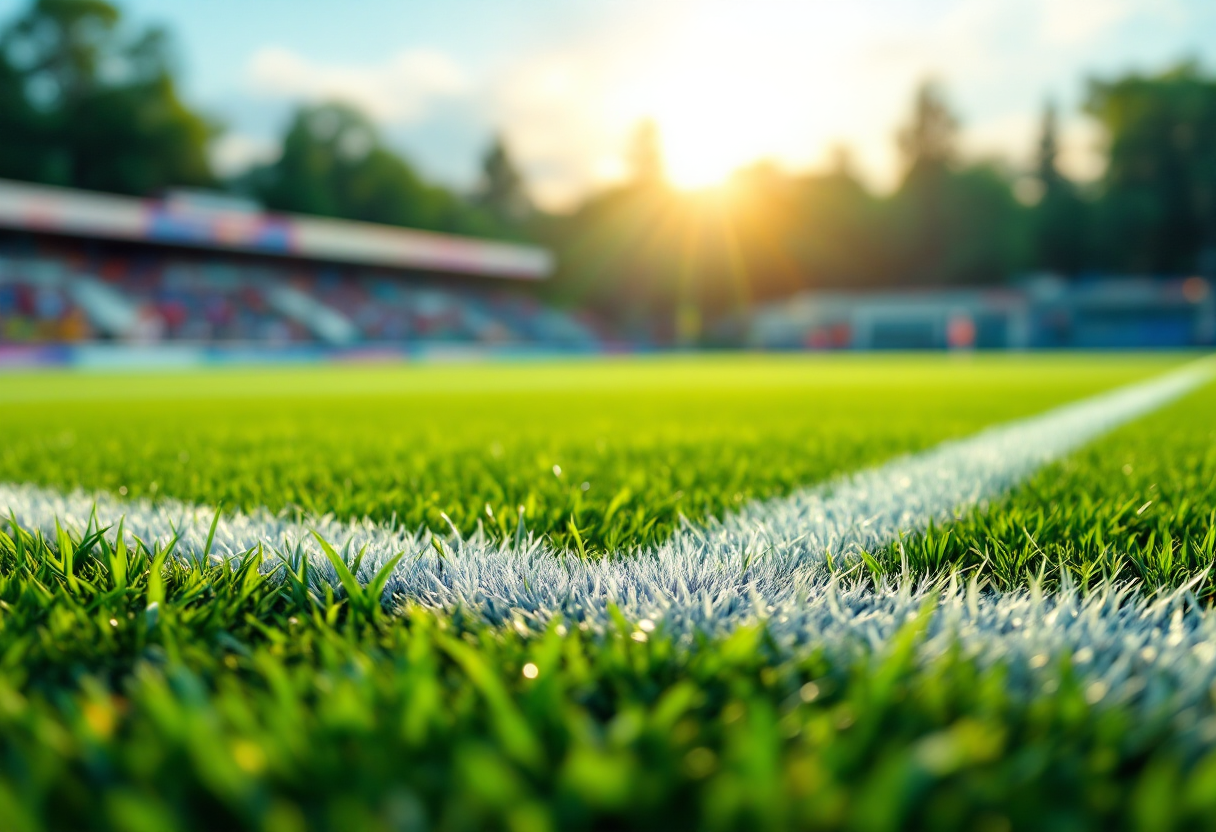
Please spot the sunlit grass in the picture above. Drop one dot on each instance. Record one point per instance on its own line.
(147, 693)
(143, 691)
(617, 450)
(1138, 505)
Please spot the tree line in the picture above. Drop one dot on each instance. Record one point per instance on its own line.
(649, 254)
(88, 101)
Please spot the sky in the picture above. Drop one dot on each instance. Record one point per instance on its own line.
(728, 82)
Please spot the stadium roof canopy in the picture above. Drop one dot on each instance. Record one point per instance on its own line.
(229, 226)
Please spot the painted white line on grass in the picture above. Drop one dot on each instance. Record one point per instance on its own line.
(766, 562)
(764, 551)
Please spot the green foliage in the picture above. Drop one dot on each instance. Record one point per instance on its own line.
(230, 701)
(948, 223)
(955, 226)
(502, 191)
(644, 254)
(87, 105)
(1137, 505)
(1060, 220)
(333, 163)
(1158, 208)
(930, 139)
(844, 214)
(616, 254)
(653, 440)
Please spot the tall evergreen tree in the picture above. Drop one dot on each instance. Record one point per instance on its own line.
(1059, 220)
(928, 145)
(502, 191)
(1158, 207)
(948, 223)
(929, 141)
(1047, 160)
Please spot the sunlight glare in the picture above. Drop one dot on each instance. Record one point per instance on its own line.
(722, 98)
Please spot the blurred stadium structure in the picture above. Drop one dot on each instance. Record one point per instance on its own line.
(201, 270)
(90, 278)
(1044, 312)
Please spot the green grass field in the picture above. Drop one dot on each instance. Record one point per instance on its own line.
(651, 439)
(140, 691)
(1138, 505)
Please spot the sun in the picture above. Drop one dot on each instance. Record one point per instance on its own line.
(700, 149)
(720, 103)
(709, 122)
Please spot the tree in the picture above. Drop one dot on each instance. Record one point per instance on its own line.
(1059, 218)
(502, 192)
(984, 227)
(928, 147)
(88, 106)
(948, 223)
(20, 145)
(838, 240)
(1158, 207)
(929, 140)
(333, 163)
(1047, 161)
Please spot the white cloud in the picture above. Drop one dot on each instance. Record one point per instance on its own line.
(400, 90)
(1078, 21)
(235, 153)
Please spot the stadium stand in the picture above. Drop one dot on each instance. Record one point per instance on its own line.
(77, 267)
(36, 306)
